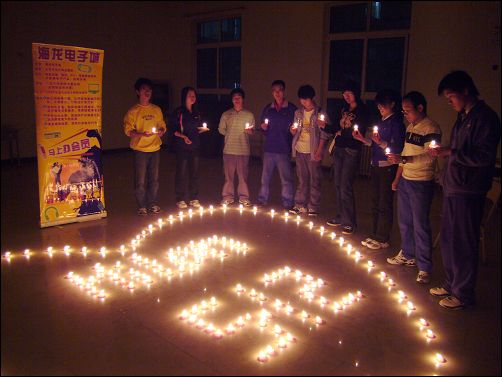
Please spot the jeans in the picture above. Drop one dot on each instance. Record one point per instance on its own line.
(308, 192)
(460, 232)
(186, 182)
(345, 161)
(382, 201)
(414, 199)
(146, 178)
(283, 163)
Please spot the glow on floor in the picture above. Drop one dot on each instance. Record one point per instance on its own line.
(315, 304)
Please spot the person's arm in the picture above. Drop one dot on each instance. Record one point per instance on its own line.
(263, 125)
(250, 130)
(320, 150)
(395, 182)
(222, 127)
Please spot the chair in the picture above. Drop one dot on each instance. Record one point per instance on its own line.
(493, 197)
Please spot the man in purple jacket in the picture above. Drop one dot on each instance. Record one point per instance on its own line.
(276, 118)
(466, 179)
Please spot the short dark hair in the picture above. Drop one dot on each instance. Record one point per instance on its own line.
(458, 81)
(279, 82)
(237, 91)
(386, 97)
(352, 86)
(416, 98)
(143, 81)
(306, 91)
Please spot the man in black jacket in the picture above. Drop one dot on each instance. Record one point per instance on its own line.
(466, 179)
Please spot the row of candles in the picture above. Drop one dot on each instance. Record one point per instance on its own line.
(136, 242)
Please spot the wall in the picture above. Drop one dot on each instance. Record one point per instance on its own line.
(280, 40)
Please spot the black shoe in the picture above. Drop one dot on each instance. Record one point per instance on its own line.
(334, 222)
(347, 229)
(312, 213)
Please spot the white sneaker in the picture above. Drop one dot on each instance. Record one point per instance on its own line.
(400, 259)
(195, 203)
(439, 292)
(365, 242)
(423, 277)
(182, 204)
(245, 202)
(375, 245)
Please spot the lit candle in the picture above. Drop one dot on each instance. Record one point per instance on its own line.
(262, 357)
(131, 285)
(266, 120)
(375, 130)
(323, 300)
(192, 319)
(184, 314)
(282, 343)
(248, 317)
(290, 338)
(200, 324)
(411, 306)
(262, 297)
(295, 125)
(387, 150)
(213, 301)
(440, 359)
(204, 125)
(319, 320)
(253, 293)
(321, 117)
(337, 307)
(371, 264)
(277, 329)
(430, 334)
(239, 288)
(240, 321)
(101, 294)
(218, 334)
(230, 329)
(27, 253)
(270, 350)
(305, 315)
(423, 322)
(433, 144)
(154, 130)
(311, 225)
(248, 126)
(356, 127)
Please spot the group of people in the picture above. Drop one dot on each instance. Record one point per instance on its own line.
(402, 159)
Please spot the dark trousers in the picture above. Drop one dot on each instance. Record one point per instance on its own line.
(460, 231)
(283, 163)
(382, 199)
(186, 181)
(308, 191)
(345, 162)
(146, 178)
(414, 199)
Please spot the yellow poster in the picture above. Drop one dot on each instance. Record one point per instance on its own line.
(68, 97)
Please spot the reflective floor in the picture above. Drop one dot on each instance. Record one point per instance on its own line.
(156, 315)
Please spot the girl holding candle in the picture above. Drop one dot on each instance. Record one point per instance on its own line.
(391, 134)
(345, 150)
(185, 126)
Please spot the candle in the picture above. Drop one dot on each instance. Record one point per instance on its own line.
(277, 329)
(319, 320)
(430, 334)
(266, 120)
(440, 358)
(184, 314)
(239, 288)
(356, 127)
(411, 306)
(101, 294)
(433, 144)
(253, 293)
(423, 322)
(230, 329)
(240, 322)
(295, 125)
(262, 357)
(204, 125)
(387, 150)
(270, 350)
(248, 126)
(321, 117)
(375, 130)
(289, 337)
(218, 334)
(154, 130)
(213, 301)
(282, 343)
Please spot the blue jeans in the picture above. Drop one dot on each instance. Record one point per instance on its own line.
(414, 199)
(186, 181)
(460, 232)
(345, 162)
(308, 192)
(283, 163)
(146, 178)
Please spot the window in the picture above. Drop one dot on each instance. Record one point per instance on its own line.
(218, 70)
(219, 54)
(368, 43)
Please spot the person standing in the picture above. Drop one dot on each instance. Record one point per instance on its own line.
(276, 118)
(466, 179)
(414, 183)
(185, 125)
(389, 133)
(345, 150)
(309, 140)
(236, 125)
(144, 124)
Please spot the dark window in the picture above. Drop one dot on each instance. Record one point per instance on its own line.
(230, 67)
(208, 32)
(348, 18)
(334, 109)
(206, 68)
(345, 62)
(389, 15)
(231, 29)
(384, 65)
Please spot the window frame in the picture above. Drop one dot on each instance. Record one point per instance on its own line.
(365, 36)
(217, 45)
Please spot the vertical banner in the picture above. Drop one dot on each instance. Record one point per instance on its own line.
(68, 93)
